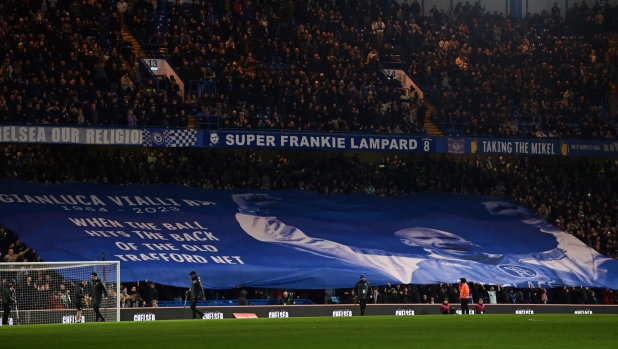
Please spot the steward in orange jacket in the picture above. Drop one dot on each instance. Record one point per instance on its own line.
(464, 295)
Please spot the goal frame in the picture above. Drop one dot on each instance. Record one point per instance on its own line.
(48, 265)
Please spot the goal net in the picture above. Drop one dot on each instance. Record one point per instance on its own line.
(45, 292)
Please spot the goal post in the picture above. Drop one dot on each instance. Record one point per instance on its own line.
(45, 291)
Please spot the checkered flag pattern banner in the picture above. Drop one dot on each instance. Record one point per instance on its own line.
(169, 138)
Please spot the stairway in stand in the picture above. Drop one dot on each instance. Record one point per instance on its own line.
(139, 53)
(613, 95)
(127, 35)
(430, 127)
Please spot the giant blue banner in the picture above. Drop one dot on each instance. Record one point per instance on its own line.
(298, 239)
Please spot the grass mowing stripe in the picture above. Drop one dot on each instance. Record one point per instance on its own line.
(495, 331)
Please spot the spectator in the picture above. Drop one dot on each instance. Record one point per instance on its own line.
(151, 296)
(376, 297)
(492, 294)
(242, 299)
(286, 299)
(131, 119)
(124, 297)
(11, 257)
(479, 308)
(445, 307)
(132, 302)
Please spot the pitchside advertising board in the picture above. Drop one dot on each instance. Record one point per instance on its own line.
(583, 312)
(144, 317)
(459, 312)
(278, 314)
(524, 312)
(71, 319)
(213, 315)
(404, 312)
(342, 313)
(348, 310)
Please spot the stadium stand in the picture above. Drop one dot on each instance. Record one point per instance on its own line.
(316, 65)
(312, 65)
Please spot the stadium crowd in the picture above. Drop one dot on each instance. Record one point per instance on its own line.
(542, 75)
(575, 194)
(315, 65)
(436, 294)
(311, 65)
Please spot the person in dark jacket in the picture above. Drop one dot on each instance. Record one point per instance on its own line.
(79, 296)
(242, 299)
(415, 295)
(393, 296)
(196, 292)
(420, 116)
(98, 293)
(362, 289)
(286, 299)
(376, 297)
(8, 300)
(152, 295)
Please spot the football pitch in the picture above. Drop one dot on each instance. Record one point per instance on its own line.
(426, 331)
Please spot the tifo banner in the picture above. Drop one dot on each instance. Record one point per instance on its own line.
(298, 239)
(321, 141)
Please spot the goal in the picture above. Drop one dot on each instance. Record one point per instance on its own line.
(45, 291)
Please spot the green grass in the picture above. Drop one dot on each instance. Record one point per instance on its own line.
(426, 331)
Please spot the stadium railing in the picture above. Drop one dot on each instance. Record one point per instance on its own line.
(452, 129)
